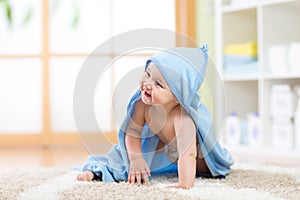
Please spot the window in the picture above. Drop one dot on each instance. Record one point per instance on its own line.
(42, 49)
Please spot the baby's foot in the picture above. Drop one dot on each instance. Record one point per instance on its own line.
(85, 176)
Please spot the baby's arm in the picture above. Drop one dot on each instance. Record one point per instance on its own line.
(186, 143)
(138, 166)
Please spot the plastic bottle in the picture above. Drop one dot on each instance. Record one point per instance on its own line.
(297, 121)
(254, 130)
(282, 133)
(232, 130)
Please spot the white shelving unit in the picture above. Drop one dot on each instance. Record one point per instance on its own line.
(267, 22)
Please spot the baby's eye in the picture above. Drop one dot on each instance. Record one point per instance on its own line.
(148, 74)
(158, 84)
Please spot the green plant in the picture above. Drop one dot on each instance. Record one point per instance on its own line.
(7, 8)
(6, 4)
(75, 16)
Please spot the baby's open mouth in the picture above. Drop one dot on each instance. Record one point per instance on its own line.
(147, 94)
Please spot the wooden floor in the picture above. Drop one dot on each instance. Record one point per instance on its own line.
(33, 157)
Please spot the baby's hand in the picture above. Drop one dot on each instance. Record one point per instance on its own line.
(138, 171)
(85, 176)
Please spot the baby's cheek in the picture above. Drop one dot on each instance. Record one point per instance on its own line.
(142, 85)
(156, 98)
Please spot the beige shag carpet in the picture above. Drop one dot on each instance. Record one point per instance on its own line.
(245, 182)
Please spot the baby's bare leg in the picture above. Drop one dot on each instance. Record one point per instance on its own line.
(160, 147)
(85, 176)
(201, 164)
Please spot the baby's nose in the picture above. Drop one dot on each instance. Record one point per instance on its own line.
(148, 84)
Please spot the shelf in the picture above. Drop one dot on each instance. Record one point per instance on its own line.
(240, 77)
(263, 21)
(268, 152)
(280, 76)
(274, 2)
(238, 7)
(256, 77)
(251, 5)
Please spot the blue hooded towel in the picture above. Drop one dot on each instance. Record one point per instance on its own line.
(184, 70)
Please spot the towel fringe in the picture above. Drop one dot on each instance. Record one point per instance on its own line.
(204, 48)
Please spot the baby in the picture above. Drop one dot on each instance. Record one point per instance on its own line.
(181, 137)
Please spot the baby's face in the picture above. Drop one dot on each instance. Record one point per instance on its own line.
(154, 87)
